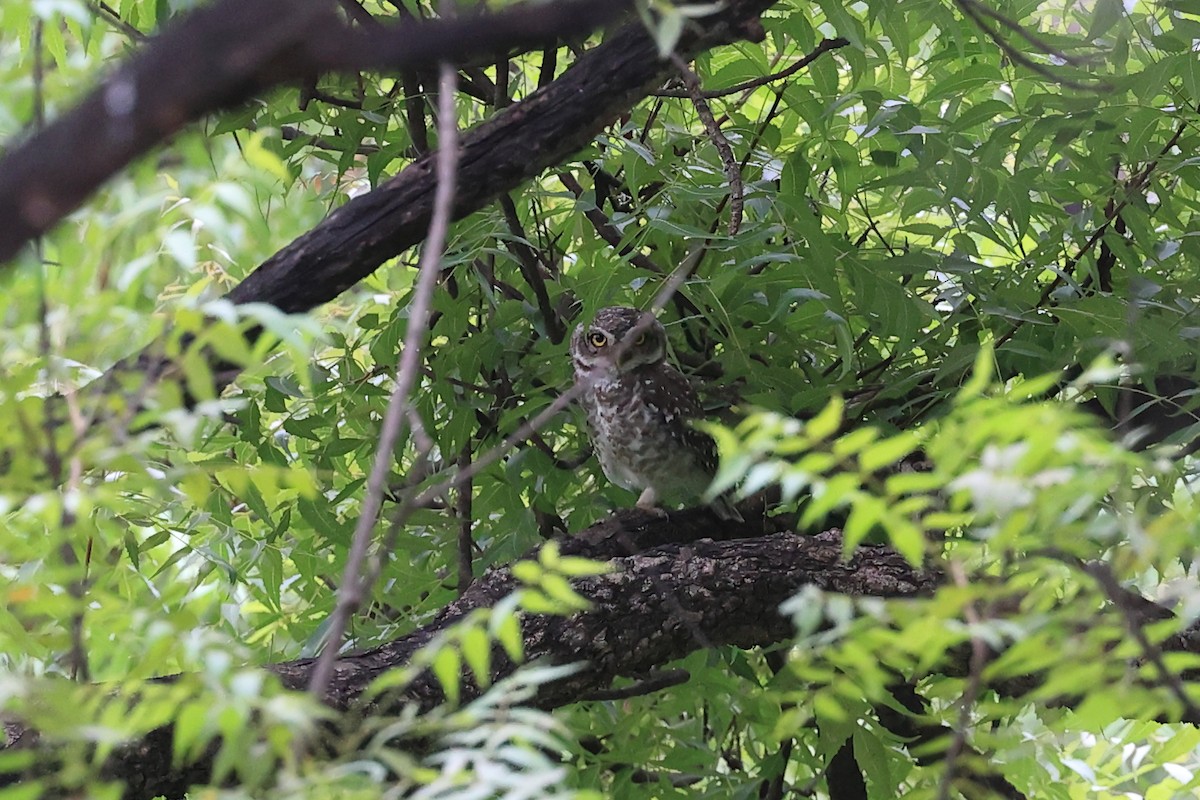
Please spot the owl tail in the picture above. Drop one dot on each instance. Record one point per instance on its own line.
(724, 508)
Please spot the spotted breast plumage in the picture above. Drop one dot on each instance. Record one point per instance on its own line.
(639, 411)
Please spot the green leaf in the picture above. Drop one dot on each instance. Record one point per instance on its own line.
(529, 572)
(827, 422)
(981, 375)
(25, 790)
(559, 589)
(907, 537)
(576, 567)
(447, 668)
(865, 513)
(477, 652)
(887, 452)
(872, 756)
(505, 627)
(190, 731)
(1105, 14)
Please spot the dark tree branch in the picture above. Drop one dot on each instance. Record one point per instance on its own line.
(511, 147)
(824, 46)
(730, 590)
(225, 53)
(656, 682)
(678, 585)
(497, 156)
(843, 775)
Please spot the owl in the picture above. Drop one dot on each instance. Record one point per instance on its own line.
(639, 409)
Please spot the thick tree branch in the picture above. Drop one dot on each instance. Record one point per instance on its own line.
(226, 53)
(728, 590)
(678, 585)
(497, 156)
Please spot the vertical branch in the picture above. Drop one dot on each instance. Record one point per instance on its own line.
(77, 659)
(732, 172)
(355, 586)
(978, 661)
(466, 543)
(502, 98)
(527, 261)
(548, 67)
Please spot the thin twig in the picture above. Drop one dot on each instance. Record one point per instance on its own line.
(730, 164)
(1134, 622)
(466, 543)
(1132, 186)
(291, 133)
(979, 658)
(567, 464)
(1038, 43)
(825, 46)
(656, 682)
(872, 227)
(609, 232)
(976, 12)
(354, 589)
(529, 263)
(110, 15)
(409, 500)
(311, 92)
(66, 480)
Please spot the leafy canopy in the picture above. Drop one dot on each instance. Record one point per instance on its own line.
(959, 231)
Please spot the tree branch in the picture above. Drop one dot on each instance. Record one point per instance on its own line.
(513, 146)
(356, 586)
(730, 591)
(224, 54)
(495, 157)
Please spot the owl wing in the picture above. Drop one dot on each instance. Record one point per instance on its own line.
(679, 406)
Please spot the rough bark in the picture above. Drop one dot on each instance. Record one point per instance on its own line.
(513, 146)
(678, 590)
(224, 54)
(497, 156)
(660, 602)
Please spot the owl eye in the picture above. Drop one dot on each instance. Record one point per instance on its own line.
(639, 341)
(597, 339)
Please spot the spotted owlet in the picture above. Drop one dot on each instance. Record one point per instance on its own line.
(639, 409)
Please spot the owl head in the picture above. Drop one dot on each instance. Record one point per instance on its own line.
(619, 340)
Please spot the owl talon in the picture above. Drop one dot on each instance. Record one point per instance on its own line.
(654, 511)
(648, 502)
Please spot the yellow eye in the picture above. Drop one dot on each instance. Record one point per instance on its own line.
(597, 339)
(639, 341)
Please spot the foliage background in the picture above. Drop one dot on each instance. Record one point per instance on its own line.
(961, 244)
